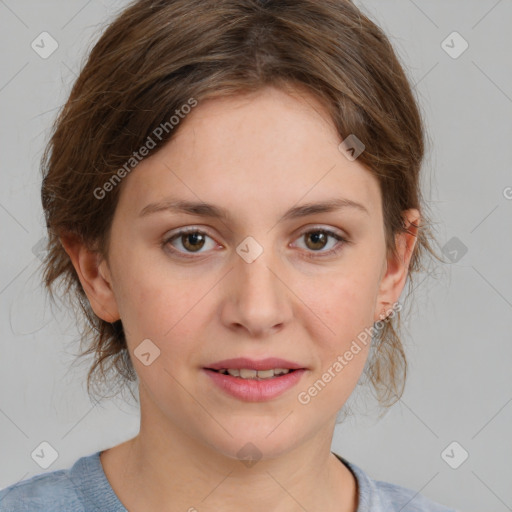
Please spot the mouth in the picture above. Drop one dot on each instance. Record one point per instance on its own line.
(250, 374)
(246, 368)
(255, 380)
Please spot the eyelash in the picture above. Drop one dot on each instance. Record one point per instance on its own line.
(309, 255)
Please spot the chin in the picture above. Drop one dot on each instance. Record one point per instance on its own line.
(269, 439)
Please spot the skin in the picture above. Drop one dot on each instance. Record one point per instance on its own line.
(257, 156)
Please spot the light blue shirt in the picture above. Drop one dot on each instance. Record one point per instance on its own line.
(85, 488)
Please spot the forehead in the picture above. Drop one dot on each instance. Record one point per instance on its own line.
(268, 149)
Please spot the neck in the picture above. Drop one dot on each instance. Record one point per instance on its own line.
(164, 468)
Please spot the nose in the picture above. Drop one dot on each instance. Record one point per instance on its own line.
(257, 299)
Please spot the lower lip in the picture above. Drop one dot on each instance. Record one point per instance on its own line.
(252, 390)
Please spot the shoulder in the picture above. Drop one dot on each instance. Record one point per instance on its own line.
(379, 496)
(407, 500)
(80, 488)
(48, 491)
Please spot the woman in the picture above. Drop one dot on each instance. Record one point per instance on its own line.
(232, 196)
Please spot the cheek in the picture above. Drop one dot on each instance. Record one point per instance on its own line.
(161, 305)
(344, 304)
(341, 339)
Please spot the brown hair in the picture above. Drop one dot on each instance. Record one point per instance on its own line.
(157, 55)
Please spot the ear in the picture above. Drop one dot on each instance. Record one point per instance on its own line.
(94, 276)
(393, 281)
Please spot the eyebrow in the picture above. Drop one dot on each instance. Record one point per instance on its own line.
(216, 212)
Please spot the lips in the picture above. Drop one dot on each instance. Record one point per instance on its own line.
(270, 363)
(254, 390)
(247, 387)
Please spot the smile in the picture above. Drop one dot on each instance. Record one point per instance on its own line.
(246, 373)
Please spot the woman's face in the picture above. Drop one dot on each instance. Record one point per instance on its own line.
(268, 280)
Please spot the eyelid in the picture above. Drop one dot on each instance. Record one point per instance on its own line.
(322, 227)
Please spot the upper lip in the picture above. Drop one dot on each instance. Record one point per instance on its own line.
(252, 364)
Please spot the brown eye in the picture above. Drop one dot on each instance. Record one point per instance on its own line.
(186, 243)
(193, 241)
(318, 240)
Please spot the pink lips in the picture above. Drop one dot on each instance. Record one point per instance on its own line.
(252, 390)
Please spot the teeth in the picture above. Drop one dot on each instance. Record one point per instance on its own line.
(263, 374)
(245, 373)
(248, 374)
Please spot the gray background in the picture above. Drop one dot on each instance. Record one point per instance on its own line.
(457, 338)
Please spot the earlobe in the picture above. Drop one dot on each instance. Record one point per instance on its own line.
(94, 275)
(393, 282)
